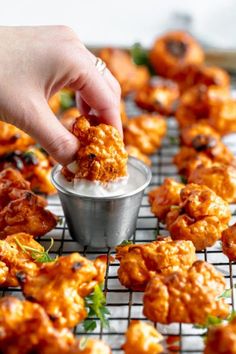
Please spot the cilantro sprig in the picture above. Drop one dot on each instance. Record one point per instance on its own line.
(95, 304)
(35, 254)
(126, 243)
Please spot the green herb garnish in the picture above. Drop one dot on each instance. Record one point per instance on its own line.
(36, 255)
(174, 140)
(140, 56)
(183, 180)
(67, 100)
(126, 243)
(95, 305)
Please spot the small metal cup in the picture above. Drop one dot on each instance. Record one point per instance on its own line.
(101, 222)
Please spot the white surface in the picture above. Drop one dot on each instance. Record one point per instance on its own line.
(104, 22)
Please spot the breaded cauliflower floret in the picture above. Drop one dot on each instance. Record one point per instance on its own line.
(200, 217)
(131, 77)
(34, 165)
(205, 151)
(174, 51)
(101, 155)
(221, 339)
(139, 263)
(142, 338)
(25, 328)
(160, 96)
(163, 197)
(16, 259)
(145, 132)
(229, 242)
(188, 296)
(65, 283)
(92, 346)
(26, 213)
(188, 135)
(218, 177)
(12, 138)
(223, 116)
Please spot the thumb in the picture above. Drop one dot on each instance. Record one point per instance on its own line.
(46, 129)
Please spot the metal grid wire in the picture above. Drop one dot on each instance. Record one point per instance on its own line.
(125, 305)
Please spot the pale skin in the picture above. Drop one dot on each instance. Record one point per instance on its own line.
(36, 62)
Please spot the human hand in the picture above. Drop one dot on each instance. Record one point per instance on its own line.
(36, 62)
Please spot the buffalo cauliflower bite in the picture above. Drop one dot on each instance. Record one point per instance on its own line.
(196, 103)
(186, 296)
(135, 152)
(25, 328)
(163, 197)
(205, 151)
(34, 165)
(229, 242)
(218, 177)
(139, 263)
(26, 213)
(12, 138)
(174, 51)
(130, 76)
(193, 75)
(16, 259)
(223, 116)
(101, 155)
(142, 338)
(221, 339)
(200, 217)
(145, 132)
(160, 96)
(188, 134)
(65, 283)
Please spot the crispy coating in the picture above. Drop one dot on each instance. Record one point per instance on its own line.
(93, 346)
(197, 102)
(131, 77)
(25, 328)
(65, 282)
(16, 259)
(221, 339)
(101, 155)
(11, 182)
(188, 134)
(223, 116)
(206, 150)
(139, 263)
(135, 152)
(201, 216)
(188, 296)
(160, 96)
(26, 213)
(12, 138)
(163, 197)
(142, 338)
(193, 75)
(229, 242)
(34, 165)
(145, 132)
(218, 177)
(174, 51)
(69, 116)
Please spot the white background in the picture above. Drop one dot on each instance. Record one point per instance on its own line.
(122, 22)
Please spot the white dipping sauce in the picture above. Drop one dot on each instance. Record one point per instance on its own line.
(124, 185)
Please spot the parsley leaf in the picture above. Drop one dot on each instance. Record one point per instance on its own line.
(140, 56)
(126, 243)
(95, 305)
(66, 100)
(36, 255)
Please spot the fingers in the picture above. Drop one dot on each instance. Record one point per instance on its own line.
(98, 94)
(46, 129)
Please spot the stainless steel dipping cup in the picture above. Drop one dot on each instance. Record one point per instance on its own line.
(101, 222)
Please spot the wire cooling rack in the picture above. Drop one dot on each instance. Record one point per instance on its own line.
(125, 305)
